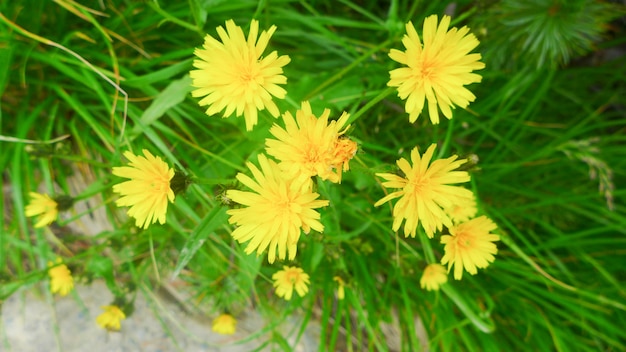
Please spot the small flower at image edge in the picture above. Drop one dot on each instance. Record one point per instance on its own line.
(276, 212)
(225, 324)
(433, 277)
(233, 76)
(436, 70)
(311, 146)
(470, 246)
(425, 191)
(148, 190)
(111, 318)
(61, 280)
(44, 207)
(289, 278)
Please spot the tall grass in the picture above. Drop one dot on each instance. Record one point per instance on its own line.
(546, 136)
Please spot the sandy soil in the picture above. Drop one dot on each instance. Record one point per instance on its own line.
(36, 322)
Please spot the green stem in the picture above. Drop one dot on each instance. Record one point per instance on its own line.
(428, 250)
(485, 324)
(173, 19)
(88, 193)
(212, 181)
(346, 69)
(382, 95)
(446, 142)
(81, 160)
(392, 14)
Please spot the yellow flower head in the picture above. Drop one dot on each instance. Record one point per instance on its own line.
(424, 191)
(225, 324)
(436, 70)
(311, 146)
(434, 276)
(111, 318)
(470, 246)
(341, 291)
(148, 190)
(289, 278)
(345, 149)
(462, 210)
(61, 280)
(231, 75)
(276, 211)
(43, 206)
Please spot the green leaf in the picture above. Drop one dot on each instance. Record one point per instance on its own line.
(6, 54)
(102, 267)
(173, 95)
(215, 218)
(485, 325)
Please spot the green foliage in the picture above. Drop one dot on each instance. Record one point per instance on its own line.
(547, 139)
(544, 33)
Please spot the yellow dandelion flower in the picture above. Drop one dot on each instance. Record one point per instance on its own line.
(425, 191)
(437, 70)
(470, 246)
(111, 319)
(61, 280)
(232, 76)
(44, 207)
(225, 324)
(289, 278)
(433, 277)
(275, 213)
(345, 149)
(148, 190)
(311, 146)
(341, 291)
(462, 210)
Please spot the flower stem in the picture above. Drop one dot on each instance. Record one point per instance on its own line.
(428, 250)
(446, 142)
(212, 181)
(347, 69)
(371, 103)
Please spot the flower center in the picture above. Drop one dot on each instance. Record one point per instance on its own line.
(246, 77)
(283, 205)
(249, 75)
(292, 277)
(427, 70)
(464, 241)
(160, 186)
(419, 185)
(312, 154)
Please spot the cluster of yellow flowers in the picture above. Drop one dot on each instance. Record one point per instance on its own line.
(232, 76)
(46, 209)
(437, 71)
(428, 196)
(281, 202)
(62, 282)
